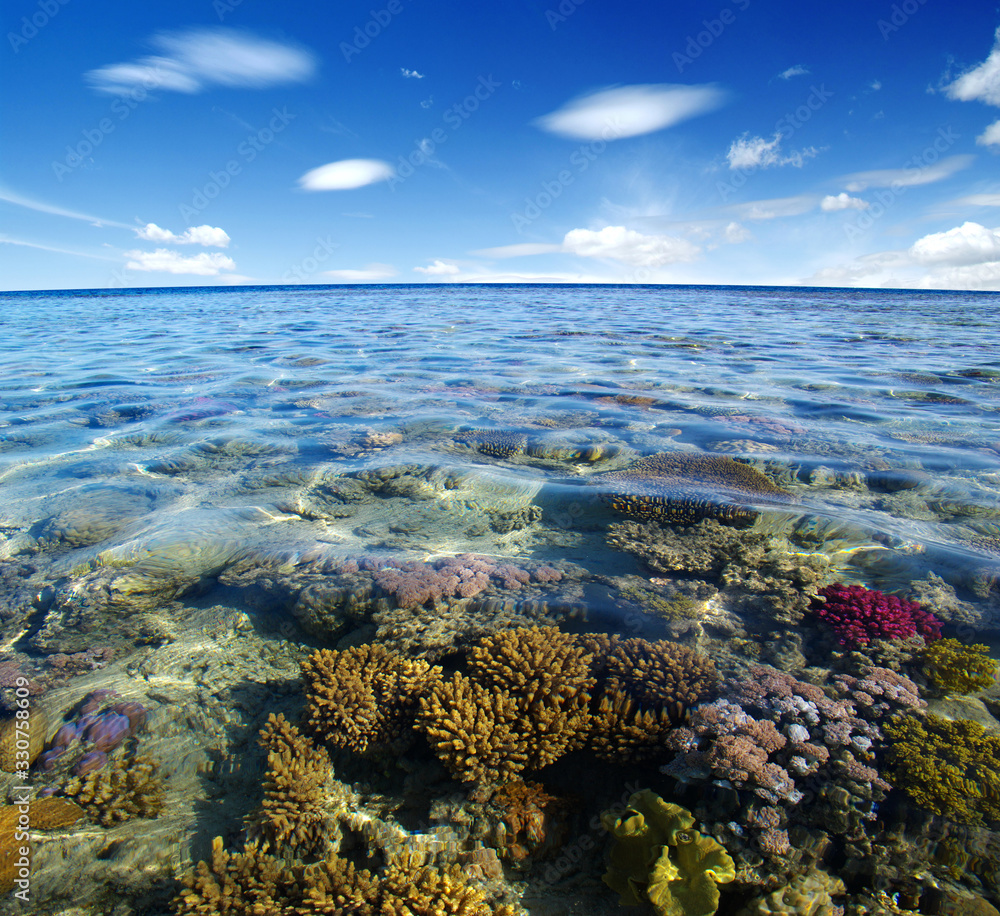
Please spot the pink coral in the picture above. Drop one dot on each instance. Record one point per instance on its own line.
(858, 615)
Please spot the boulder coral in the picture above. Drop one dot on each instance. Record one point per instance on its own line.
(683, 488)
(657, 857)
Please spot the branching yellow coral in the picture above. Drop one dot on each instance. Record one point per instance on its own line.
(128, 788)
(364, 698)
(952, 665)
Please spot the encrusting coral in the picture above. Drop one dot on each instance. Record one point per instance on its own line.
(682, 488)
(364, 698)
(950, 767)
(809, 894)
(658, 857)
(950, 665)
(293, 814)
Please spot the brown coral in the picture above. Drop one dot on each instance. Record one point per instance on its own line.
(335, 887)
(682, 488)
(531, 823)
(293, 814)
(433, 892)
(621, 730)
(129, 788)
(525, 705)
(364, 698)
(29, 731)
(15, 820)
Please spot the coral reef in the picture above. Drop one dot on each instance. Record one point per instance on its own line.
(293, 815)
(658, 858)
(364, 698)
(499, 443)
(951, 768)
(253, 883)
(36, 814)
(950, 665)
(858, 615)
(532, 824)
(809, 894)
(525, 704)
(682, 488)
(130, 788)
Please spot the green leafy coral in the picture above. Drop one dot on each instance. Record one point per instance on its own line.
(950, 665)
(658, 857)
(949, 767)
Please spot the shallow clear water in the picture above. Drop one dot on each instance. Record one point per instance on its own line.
(156, 446)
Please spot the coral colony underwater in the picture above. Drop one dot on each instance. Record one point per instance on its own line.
(674, 601)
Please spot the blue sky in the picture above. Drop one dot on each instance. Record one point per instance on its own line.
(733, 141)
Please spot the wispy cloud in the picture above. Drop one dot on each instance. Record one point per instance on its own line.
(629, 111)
(370, 273)
(907, 177)
(843, 201)
(22, 201)
(774, 208)
(980, 200)
(520, 250)
(197, 59)
(411, 74)
(208, 236)
(346, 174)
(439, 269)
(797, 70)
(4, 240)
(166, 261)
(758, 153)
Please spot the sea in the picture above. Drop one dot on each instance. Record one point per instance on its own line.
(200, 488)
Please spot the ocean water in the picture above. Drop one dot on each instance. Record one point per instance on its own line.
(200, 487)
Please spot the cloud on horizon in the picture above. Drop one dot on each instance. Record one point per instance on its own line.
(630, 111)
(172, 262)
(629, 247)
(439, 269)
(197, 59)
(208, 236)
(370, 273)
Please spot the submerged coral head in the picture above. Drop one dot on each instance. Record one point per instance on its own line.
(858, 615)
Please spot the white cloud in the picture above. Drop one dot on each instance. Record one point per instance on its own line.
(980, 200)
(197, 59)
(735, 233)
(517, 251)
(629, 111)
(990, 136)
(438, 269)
(758, 153)
(208, 236)
(411, 74)
(907, 177)
(969, 243)
(970, 276)
(346, 174)
(797, 70)
(370, 273)
(629, 246)
(982, 83)
(874, 85)
(843, 201)
(163, 259)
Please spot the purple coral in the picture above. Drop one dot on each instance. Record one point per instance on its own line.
(858, 615)
(110, 730)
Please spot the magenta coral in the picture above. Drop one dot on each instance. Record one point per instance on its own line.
(858, 615)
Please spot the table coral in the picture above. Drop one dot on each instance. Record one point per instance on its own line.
(858, 615)
(952, 768)
(682, 488)
(950, 665)
(364, 698)
(658, 857)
